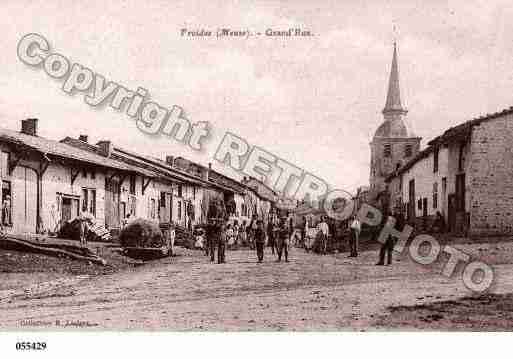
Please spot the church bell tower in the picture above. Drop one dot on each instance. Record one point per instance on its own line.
(393, 143)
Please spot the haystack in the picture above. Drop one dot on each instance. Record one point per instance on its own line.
(142, 233)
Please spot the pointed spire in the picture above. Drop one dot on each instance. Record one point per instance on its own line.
(393, 103)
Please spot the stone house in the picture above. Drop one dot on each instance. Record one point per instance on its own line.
(466, 174)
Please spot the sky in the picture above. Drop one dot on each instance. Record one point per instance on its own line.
(314, 101)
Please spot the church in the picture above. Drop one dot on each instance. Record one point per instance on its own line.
(393, 143)
(463, 176)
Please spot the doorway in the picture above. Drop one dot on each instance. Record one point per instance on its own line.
(69, 208)
(24, 200)
(112, 203)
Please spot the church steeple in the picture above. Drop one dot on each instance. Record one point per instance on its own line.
(393, 143)
(393, 104)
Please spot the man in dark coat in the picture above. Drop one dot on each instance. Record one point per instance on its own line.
(282, 240)
(213, 236)
(216, 215)
(260, 240)
(388, 247)
(221, 244)
(270, 235)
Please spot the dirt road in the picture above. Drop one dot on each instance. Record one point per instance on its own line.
(311, 292)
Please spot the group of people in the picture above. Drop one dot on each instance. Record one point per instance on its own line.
(220, 235)
(354, 230)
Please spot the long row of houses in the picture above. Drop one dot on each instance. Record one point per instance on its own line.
(45, 183)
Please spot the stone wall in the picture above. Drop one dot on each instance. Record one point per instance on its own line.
(491, 177)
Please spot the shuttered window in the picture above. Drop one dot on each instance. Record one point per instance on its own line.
(4, 164)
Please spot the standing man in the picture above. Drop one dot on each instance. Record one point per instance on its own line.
(221, 244)
(216, 215)
(172, 237)
(323, 227)
(260, 240)
(355, 228)
(282, 238)
(303, 232)
(83, 229)
(388, 247)
(6, 211)
(212, 234)
(270, 234)
(250, 230)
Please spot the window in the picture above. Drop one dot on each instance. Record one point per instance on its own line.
(179, 190)
(163, 199)
(85, 199)
(4, 164)
(89, 201)
(435, 160)
(435, 195)
(387, 151)
(152, 208)
(460, 192)
(92, 202)
(93, 174)
(84, 173)
(461, 158)
(132, 205)
(419, 204)
(408, 149)
(444, 191)
(122, 209)
(179, 210)
(6, 203)
(132, 184)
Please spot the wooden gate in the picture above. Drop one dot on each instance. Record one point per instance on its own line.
(112, 194)
(166, 210)
(24, 200)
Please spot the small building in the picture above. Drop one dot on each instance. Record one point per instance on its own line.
(466, 174)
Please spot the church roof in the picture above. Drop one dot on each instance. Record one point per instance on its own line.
(393, 102)
(394, 128)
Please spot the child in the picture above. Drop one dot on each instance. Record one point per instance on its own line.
(230, 236)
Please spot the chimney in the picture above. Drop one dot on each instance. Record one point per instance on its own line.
(105, 148)
(29, 126)
(170, 160)
(208, 170)
(83, 138)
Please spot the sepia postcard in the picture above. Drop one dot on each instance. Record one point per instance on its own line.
(263, 166)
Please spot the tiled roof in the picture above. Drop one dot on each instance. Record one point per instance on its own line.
(55, 148)
(456, 133)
